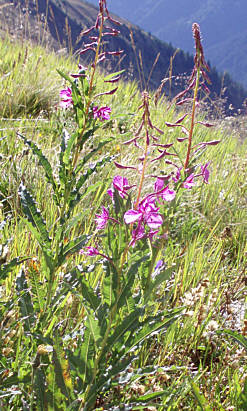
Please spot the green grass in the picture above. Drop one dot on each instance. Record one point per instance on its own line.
(207, 245)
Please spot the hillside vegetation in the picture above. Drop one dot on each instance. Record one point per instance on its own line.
(124, 300)
(66, 20)
(223, 23)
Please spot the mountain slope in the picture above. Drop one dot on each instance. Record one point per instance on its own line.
(223, 24)
(66, 20)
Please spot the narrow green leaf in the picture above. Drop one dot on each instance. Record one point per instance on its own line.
(69, 148)
(66, 77)
(126, 328)
(89, 295)
(24, 301)
(65, 136)
(72, 247)
(82, 358)
(76, 196)
(44, 163)
(92, 169)
(87, 134)
(36, 224)
(103, 380)
(112, 75)
(109, 284)
(92, 324)
(58, 371)
(239, 338)
(149, 326)
(126, 292)
(8, 267)
(91, 154)
(39, 387)
(164, 275)
(199, 397)
(151, 396)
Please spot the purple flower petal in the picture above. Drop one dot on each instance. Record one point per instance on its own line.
(168, 195)
(91, 251)
(205, 172)
(189, 182)
(132, 216)
(159, 184)
(154, 220)
(102, 113)
(66, 98)
(102, 219)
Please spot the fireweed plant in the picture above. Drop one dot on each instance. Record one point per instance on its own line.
(76, 368)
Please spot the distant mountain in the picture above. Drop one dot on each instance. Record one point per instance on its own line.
(67, 18)
(223, 25)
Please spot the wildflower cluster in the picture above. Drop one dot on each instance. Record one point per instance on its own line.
(146, 215)
(128, 235)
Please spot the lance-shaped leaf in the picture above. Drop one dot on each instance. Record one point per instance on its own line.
(89, 295)
(8, 267)
(128, 326)
(36, 224)
(86, 135)
(125, 297)
(103, 380)
(44, 163)
(162, 276)
(82, 358)
(110, 284)
(25, 301)
(65, 136)
(61, 370)
(87, 157)
(66, 77)
(92, 323)
(149, 326)
(71, 140)
(40, 388)
(113, 75)
(72, 247)
(239, 338)
(76, 196)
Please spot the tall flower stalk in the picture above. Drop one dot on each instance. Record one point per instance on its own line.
(199, 71)
(128, 240)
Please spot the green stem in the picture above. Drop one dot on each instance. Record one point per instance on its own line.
(76, 154)
(104, 342)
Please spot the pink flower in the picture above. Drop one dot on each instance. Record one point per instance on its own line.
(139, 233)
(189, 182)
(177, 176)
(205, 172)
(66, 98)
(146, 212)
(102, 219)
(166, 194)
(159, 184)
(120, 184)
(91, 251)
(102, 113)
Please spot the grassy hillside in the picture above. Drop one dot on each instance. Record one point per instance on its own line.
(159, 325)
(222, 22)
(65, 21)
